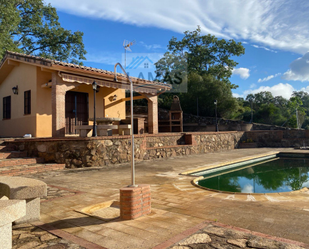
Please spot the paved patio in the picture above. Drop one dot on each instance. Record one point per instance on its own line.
(177, 206)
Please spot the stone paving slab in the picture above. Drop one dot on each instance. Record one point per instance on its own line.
(176, 205)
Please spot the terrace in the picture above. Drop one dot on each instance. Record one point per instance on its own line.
(179, 210)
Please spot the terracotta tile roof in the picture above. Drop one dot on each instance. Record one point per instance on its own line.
(29, 58)
(91, 69)
(49, 62)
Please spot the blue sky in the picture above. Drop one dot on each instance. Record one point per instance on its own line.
(275, 34)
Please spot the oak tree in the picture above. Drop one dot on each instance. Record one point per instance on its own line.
(206, 62)
(32, 27)
(201, 54)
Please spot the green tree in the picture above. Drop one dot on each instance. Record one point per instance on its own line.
(201, 54)
(207, 89)
(261, 98)
(278, 110)
(300, 94)
(32, 27)
(304, 96)
(280, 101)
(269, 114)
(206, 63)
(295, 104)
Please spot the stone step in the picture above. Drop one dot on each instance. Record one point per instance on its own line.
(20, 161)
(13, 154)
(30, 169)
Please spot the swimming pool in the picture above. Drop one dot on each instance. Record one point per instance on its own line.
(271, 174)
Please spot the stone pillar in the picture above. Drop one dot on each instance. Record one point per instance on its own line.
(58, 105)
(152, 114)
(135, 202)
(139, 125)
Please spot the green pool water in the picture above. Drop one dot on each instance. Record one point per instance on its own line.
(275, 175)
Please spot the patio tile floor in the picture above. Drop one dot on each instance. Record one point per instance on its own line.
(176, 204)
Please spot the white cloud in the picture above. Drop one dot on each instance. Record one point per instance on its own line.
(266, 79)
(269, 77)
(299, 69)
(237, 95)
(252, 85)
(150, 47)
(272, 24)
(267, 49)
(244, 73)
(281, 89)
(305, 89)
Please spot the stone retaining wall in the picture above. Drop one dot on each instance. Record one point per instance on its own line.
(104, 151)
(278, 138)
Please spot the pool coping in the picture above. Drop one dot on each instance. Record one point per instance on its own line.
(216, 165)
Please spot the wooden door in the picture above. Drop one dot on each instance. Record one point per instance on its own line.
(76, 110)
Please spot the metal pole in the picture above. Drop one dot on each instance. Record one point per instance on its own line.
(132, 128)
(75, 111)
(94, 130)
(216, 103)
(251, 121)
(132, 137)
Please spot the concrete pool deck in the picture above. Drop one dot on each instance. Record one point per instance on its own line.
(177, 205)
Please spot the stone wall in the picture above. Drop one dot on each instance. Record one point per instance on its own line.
(104, 151)
(216, 141)
(168, 139)
(84, 152)
(278, 138)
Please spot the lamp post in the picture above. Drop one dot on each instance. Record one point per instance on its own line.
(94, 130)
(216, 103)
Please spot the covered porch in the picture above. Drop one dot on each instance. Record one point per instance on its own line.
(110, 98)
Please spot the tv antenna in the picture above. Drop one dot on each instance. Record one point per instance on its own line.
(126, 46)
